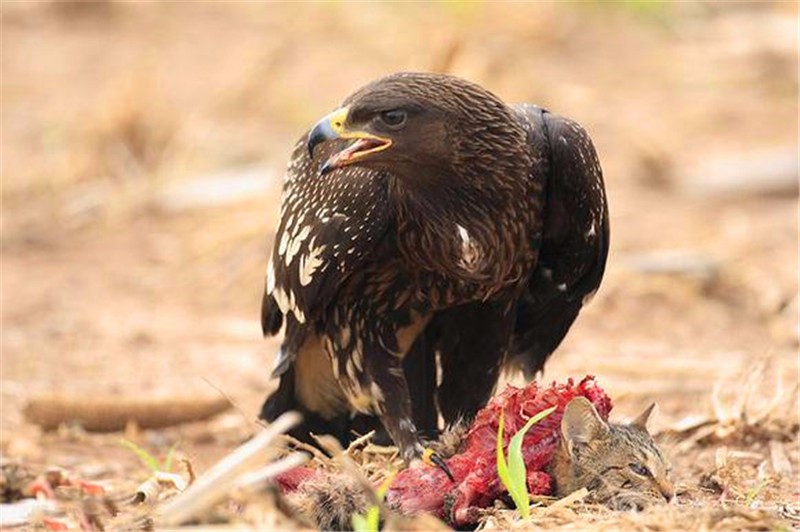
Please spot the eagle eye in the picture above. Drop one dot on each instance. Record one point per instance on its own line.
(394, 118)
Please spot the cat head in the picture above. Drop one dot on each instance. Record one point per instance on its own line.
(620, 464)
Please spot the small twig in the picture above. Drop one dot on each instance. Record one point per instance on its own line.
(381, 449)
(755, 376)
(780, 462)
(543, 500)
(780, 397)
(303, 446)
(716, 402)
(236, 406)
(359, 441)
(149, 490)
(110, 413)
(256, 479)
(218, 481)
(573, 497)
(189, 470)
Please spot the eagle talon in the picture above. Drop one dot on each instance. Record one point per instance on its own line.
(326, 168)
(430, 457)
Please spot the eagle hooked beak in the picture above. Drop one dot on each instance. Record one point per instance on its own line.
(333, 127)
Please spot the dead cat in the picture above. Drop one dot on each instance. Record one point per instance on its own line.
(620, 464)
(574, 447)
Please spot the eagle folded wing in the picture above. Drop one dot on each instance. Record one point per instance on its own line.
(575, 240)
(329, 224)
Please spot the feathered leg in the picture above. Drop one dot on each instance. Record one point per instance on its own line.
(392, 401)
(473, 342)
(420, 370)
(369, 366)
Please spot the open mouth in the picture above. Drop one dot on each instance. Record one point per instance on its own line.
(358, 150)
(362, 147)
(331, 127)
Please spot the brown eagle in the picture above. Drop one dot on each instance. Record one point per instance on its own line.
(427, 219)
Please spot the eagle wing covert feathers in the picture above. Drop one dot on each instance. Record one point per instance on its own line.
(575, 243)
(426, 219)
(328, 224)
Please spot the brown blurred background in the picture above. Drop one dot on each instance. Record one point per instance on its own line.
(143, 146)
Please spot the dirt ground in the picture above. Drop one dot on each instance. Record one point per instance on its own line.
(142, 152)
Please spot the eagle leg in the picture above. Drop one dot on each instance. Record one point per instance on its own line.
(420, 369)
(392, 402)
(473, 345)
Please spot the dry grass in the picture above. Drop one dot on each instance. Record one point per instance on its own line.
(131, 136)
(581, 517)
(744, 489)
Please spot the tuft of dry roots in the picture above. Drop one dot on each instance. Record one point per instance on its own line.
(741, 416)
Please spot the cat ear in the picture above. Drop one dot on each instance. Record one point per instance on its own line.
(641, 421)
(581, 422)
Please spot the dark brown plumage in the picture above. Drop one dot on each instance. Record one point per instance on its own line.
(427, 217)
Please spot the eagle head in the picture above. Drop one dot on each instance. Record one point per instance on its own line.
(426, 128)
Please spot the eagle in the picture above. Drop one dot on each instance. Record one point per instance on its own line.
(430, 237)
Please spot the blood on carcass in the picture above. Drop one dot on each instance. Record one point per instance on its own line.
(477, 484)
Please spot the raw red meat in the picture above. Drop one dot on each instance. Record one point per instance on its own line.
(474, 466)
(477, 485)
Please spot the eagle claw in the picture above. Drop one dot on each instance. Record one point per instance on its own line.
(431, 457)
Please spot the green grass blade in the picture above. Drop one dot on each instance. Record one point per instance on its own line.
(360, 523)
(373, 518)
(147, 459)
(385, 485)
(368, 522)
(371, 521)
(516, 463)
(513, 473)
(753, 493)
(168, 461)
(502, 466)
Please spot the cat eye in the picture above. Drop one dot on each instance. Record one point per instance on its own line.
(394, 118)
(640, 470)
